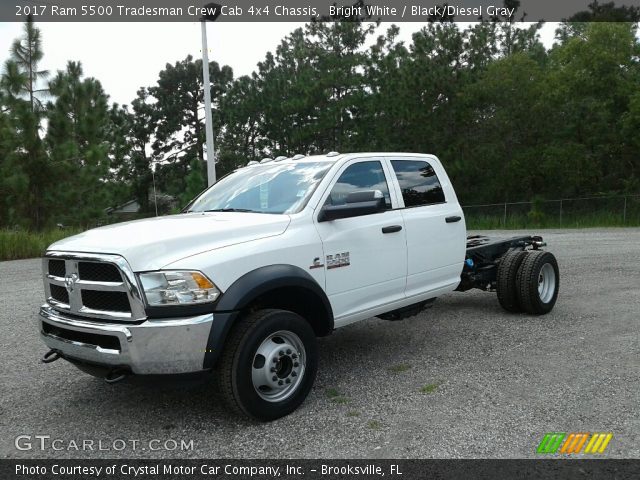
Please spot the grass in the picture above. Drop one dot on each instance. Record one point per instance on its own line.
(522, 221)
(336, 397)
(353, 413)
(402, 367)
(17, 244)
(374, 424)
(332, 392)
(341, 400)
(429, 388)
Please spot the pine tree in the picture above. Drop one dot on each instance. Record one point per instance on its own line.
(26, 54)
(28, 178)
(77, 137)
(180, 132)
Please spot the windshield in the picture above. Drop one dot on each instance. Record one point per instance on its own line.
(268, 188)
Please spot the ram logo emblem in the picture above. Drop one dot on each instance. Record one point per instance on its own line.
(338, 260)
(70, 282)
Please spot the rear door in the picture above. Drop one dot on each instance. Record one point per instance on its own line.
(434, 224)
(365, 256)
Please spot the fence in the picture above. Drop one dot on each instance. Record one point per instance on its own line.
(622, 210)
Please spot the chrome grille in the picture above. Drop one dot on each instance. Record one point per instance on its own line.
(57, 268)
(93, 286)
(97, 300)
(98, 272)
(59, 294)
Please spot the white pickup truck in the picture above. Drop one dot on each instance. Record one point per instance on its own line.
(274, 255)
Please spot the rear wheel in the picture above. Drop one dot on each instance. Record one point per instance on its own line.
(506, 284)
(538, 282)
(269, 364)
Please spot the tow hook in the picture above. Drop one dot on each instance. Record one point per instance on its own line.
(116, 375)
(50, 356)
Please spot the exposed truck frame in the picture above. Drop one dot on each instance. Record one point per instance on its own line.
(498, 264)
(483, 257)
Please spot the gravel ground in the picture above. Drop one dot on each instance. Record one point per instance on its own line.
(494, 382)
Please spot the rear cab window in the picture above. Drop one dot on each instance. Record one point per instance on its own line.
(418, 182)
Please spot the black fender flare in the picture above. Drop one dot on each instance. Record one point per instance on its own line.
(249, 287)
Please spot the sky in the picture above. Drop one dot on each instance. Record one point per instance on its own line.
(127, 56)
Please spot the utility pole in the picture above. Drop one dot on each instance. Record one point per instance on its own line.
(213, 10)
(155, 195)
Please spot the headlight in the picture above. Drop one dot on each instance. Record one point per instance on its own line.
(177, 288)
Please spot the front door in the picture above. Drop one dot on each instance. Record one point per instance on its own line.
(365, 256)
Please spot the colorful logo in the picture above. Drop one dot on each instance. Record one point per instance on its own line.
(572, 443)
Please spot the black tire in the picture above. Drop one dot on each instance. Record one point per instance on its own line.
(506, 284)
(528, 279)
(235, 368)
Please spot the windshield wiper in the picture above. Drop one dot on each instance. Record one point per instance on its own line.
(231, 210)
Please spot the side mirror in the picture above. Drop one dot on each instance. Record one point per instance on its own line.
(358, 204)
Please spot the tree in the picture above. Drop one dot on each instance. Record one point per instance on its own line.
(179, 117)
(591, 81)
(505, 123)
(131, 139)
(337, 51)
(503, 114)
(385, 114)
(26, 54)
(631, 145)
(27, 172)
(7, 171)
(577, 24)
(241, 139)
(78, 122)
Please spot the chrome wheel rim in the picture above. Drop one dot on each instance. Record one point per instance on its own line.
(278, 366)
(546, 283)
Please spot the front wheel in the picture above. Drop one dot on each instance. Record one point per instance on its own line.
(269, 364)
(538, 282)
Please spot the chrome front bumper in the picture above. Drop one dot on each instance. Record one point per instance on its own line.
(162, 346)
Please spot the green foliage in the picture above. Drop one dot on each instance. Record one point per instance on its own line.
(523, 221)
(510, 120)
(78, 144)
(374, 424)
(335, 396)
(400, 368)
(179, 134)
(196, 181)
(536, 216)
(17, 244)
(429, 388)
(22, 67)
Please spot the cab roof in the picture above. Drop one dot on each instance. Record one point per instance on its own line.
(333, 157)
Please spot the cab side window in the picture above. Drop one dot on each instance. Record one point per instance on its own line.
(359, 177)
(419, 183)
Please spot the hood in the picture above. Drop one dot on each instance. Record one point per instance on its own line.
(152, 243)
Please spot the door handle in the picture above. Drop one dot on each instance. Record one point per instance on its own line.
(453, 219)
(391, 229)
